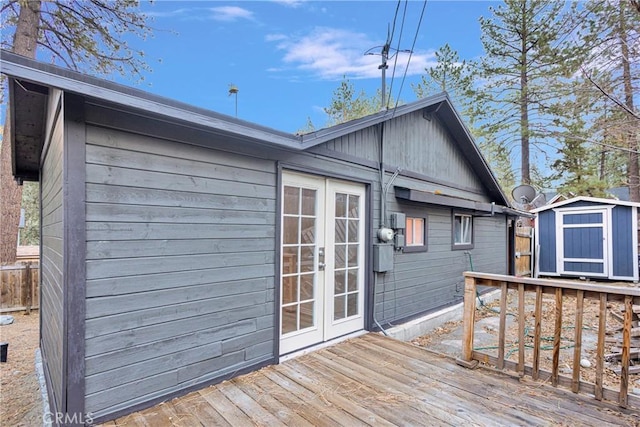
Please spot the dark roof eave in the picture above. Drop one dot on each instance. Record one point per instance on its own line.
(22, 68)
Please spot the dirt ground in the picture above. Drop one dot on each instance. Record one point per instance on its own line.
(20, 399)
(487, 325)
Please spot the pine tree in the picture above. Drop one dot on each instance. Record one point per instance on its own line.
(450, 74)
(613, 71)
(90, 35)
(346, 105)
(527, 52)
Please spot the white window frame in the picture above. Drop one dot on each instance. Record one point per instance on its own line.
(410, 240)
(469, 221)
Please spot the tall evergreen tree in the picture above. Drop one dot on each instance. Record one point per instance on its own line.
(613, 70)
(90, 35)
(450, 74)
(527, 52)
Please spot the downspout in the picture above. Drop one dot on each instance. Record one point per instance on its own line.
(382, 223)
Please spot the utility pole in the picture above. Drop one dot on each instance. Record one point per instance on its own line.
(383, 67)
(233, 90)
(386, 49)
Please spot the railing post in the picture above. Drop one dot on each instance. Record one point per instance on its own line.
(557, 336)
(503, 323)
(577, 346)
(626, 350)
(469, 318)
(602, 330)
(521, 328)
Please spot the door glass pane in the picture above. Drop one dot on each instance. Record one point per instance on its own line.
(339, 284)
(290, 230)
(352, 279)
(291, 200)
(289, 289)
(353, 255)
(354, 225)
(341, 205)
(341, 230)
(289, 319)
(354, 206)
(340, 256)
(290, 260)
(306, 286)
(307, 260)
(308, 202)
(338, 307)
(352, 304)
(306, 315)
(308, 230)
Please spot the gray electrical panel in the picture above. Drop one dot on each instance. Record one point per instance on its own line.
(382, 257)
(398, 220)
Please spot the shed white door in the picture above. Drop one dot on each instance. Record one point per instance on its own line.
(322, 274)
(582, 242)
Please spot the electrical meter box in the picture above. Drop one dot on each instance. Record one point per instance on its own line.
(383, 257)
(398, 221)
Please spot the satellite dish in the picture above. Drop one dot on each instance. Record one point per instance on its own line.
(524, 193)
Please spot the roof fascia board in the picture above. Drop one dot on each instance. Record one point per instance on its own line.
(23, 68)
(587, 199)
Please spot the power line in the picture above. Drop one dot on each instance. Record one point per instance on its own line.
(395, 63)
(393, 29)
(424, 6)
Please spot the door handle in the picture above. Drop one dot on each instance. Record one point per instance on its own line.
(321, 264)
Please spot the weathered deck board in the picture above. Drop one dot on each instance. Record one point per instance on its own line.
(374, 380)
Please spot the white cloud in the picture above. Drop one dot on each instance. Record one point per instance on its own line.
(220, 13)
(289, 3)
(274, 37)
(169, 14)
(230, 13)
(330, 53)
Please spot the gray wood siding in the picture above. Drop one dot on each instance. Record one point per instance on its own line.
(180, 266)
(51, 261)
(420, 146)
(426, 281)
(363, 144)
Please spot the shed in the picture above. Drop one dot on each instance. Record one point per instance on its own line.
(588, 237)
(181, 247)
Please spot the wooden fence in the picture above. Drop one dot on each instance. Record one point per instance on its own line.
(19, 287)
(524, 252)
(603, 295)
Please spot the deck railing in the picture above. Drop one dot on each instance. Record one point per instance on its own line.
(604, 294)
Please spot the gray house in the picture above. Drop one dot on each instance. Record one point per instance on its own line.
(181, 247)
(588, 237)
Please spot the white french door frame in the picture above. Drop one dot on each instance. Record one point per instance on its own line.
(324, 327)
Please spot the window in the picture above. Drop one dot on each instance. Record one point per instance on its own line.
(462, 231)
(415, 232)
(415, 235)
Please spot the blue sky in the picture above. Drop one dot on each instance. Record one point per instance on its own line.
(286, 57)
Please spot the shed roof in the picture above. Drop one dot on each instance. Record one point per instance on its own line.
(30, 82)
(595, 200)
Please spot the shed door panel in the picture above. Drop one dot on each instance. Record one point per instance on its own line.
(583, 243)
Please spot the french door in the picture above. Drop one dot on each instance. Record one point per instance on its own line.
(322, 260)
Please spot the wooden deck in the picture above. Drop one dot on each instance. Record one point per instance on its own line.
(374, 380)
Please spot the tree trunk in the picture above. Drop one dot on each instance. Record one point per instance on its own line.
(24, 43)
(524, 103)
(633, 168)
